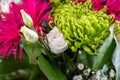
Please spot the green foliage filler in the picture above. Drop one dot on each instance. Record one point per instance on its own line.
(82, 27)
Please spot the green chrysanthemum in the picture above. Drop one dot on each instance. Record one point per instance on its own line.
(82, 28)
(59, 1)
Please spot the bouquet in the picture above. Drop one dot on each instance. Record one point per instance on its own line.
(60, 39)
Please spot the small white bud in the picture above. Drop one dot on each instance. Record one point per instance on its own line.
(86, 72)
(80, 66)
(112, 73)
(30, 35)
(80, 77)
(75, 77)
(26, 18)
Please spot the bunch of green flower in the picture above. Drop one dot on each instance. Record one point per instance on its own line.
(59, 1)
(83, 28)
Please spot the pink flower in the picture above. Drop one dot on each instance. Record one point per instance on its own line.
(38, 10)
(10, 24)
(98, 4)
(113, 7)
(78, 1)
(9, 32)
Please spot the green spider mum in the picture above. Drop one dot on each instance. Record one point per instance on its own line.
(83, 28)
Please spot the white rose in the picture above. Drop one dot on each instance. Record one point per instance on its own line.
(56, 41)
(30, 35)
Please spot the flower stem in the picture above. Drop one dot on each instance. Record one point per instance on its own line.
(47, 50)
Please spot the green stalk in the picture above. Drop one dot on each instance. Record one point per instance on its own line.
(47, 50)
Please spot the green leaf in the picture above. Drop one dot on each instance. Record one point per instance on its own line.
(86, 58)
(116, 60)
(37, 73)
(11, 64)
(105, 52)
(33, 50)
(51, 72)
